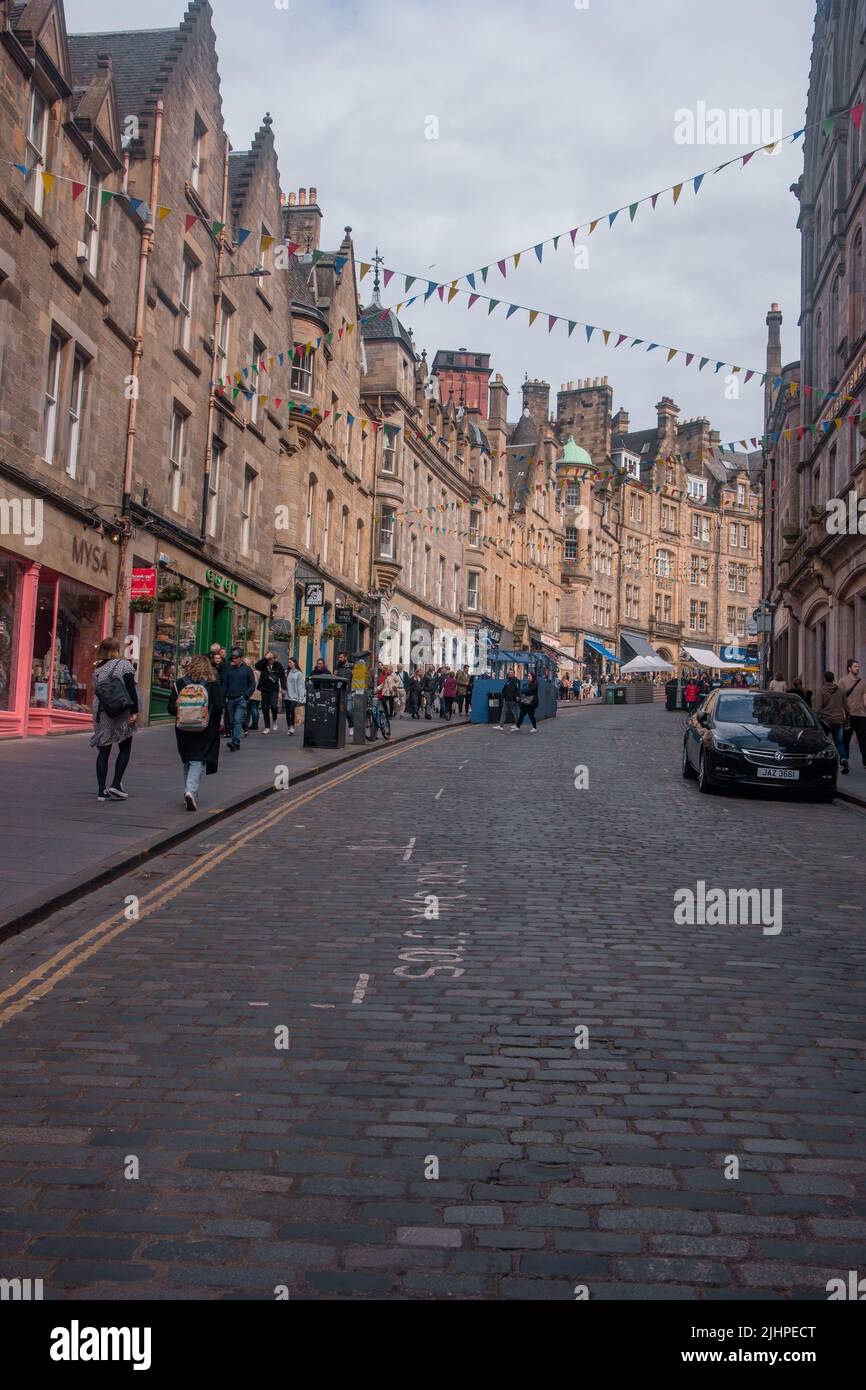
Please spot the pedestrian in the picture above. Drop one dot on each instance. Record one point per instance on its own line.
(428, 691)
(463, 682)
(387, 690)
(510, 700)
(692, 692)
(528, 700)
(254, 706)
(854, 691)
(449, 692)
(832, 709)
(238, 686)
(197, 701)
(400, 691)
(344, 668)
(778, 684)
(115, 713)
(271, 685)
(797, 688)
(320, 669)
(296, 692)
(413, 693)
(220, 665)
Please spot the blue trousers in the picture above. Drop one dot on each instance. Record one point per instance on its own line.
(237, 708)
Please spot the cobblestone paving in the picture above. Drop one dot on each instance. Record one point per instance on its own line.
(418, 1043)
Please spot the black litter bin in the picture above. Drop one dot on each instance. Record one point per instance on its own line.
(494, 707)
(671, 694)
(325, 712)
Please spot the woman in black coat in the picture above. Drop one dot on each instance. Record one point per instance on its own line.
(272, 682)
(199, 748)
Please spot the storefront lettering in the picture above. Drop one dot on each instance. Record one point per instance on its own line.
(91, 556)
(219, 581)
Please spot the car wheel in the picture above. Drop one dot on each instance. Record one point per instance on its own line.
(826, 797)
(705, 781)
(688, 770)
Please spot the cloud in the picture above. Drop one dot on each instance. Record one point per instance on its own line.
(548, 115)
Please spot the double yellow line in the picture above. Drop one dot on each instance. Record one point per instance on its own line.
(44, 977)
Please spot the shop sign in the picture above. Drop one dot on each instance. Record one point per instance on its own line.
(733, 654)
(92, 557)
(343, 616)
(218, 581)
(314, 595)
(143, 583)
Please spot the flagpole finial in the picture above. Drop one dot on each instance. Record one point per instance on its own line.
(377, 261)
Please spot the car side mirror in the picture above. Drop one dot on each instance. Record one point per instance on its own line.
(703, 719)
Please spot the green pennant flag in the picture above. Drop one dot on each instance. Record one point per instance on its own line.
(105, 195)
(827, 125)
(492, 305)
(571, 327)
(484, 273)
(632, 210)
(339, 414)
(329, 337)
(410, 280)
(216, 228)
(316, 256)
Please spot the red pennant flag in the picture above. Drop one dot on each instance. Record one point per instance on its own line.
(501, 265)
(573, 234)
(441, 292)
(551, 320)
(77, 190)
(689, 358)
(621, 339)
(386, 276)
(292, 247)
(857, 114)
(188, 221)
(278, 401)
(807, 390)
(749, 375)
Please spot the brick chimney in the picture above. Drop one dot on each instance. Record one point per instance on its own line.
(536, 400)
(619, 423)
(302, 220)
(497, 402)
(667, 419)
(774, 357)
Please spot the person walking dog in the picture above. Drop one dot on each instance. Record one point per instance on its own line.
(197, 703)
(115, 712)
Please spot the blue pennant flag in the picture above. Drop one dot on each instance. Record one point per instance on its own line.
(243, 233)
(471, 279)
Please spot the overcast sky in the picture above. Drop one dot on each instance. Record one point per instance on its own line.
(548, 115)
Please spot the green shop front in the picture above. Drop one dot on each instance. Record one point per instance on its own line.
(192, 612)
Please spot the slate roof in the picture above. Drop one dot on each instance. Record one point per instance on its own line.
(136, 57)
(380, 328)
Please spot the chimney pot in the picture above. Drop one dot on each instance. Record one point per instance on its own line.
(313, 192)
(302, 197)
(291, 200)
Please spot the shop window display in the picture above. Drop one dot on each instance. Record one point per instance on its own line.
(175, 641)
(8, 631)
(247, 633)
(69, 626)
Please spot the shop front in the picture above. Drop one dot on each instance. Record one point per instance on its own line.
(197, 606)
(54, 612)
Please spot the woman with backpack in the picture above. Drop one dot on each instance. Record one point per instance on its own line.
(197, 702)
(115, 711)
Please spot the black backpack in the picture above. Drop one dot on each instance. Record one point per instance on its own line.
(113, 695)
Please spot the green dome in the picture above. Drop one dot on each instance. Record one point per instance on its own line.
(574, 454)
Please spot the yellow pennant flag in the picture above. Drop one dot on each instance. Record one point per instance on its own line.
(787, 434)
(48, 182)
(736, 369)
(517, 256)
(263, 399)
(672, 352)
(365, 267)
(593, 225)
(838, 422)
(678, 188)
(605, 332)
(793, 388)
(768, 149)
(452, 292)
(162, 213)
(533, 315)
(266, 241)
(350, 328)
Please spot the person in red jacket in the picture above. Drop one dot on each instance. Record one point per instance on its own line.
(691, 694)
(449, 692)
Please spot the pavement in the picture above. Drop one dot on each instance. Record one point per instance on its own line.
(58, 838)
(428, 1027)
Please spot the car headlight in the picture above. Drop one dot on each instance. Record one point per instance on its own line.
(827, 753)
(722, 747)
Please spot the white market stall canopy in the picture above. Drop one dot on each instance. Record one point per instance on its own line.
(643, 664)
(702, 656)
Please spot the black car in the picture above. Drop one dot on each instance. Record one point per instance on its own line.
(758, 738)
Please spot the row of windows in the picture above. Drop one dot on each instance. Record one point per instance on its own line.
(340, 559)
(177, 468)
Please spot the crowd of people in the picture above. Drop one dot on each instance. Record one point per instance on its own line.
(586, 688)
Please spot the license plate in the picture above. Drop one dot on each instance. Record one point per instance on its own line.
(782, 774)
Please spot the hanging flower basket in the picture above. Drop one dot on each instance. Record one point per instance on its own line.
(172, 592)
(142, 605)
(333, 632)
(306, 629)
(281, 632)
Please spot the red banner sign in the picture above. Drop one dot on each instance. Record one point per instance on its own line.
(143, 584)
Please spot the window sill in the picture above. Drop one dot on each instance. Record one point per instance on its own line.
(187, 361)
(264, 298)
(255, 429)
(41, 227)
(13, 213)
(95, 288)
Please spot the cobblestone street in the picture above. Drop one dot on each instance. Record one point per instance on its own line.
(434, 1127)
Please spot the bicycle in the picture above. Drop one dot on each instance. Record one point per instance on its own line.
(376, 721)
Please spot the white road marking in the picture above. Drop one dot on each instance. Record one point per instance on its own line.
(439, 793)
(323, 1006)
(257, 1004)
(409, 848)
(360, 989)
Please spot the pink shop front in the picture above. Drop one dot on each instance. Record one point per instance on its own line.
(51, 623)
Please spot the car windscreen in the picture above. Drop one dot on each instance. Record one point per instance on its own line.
(787, 711)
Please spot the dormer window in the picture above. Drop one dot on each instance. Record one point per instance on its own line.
(741, 494)
(91, 219)
(698, 489)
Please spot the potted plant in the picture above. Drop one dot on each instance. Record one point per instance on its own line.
(305, 629)
(333, 632)
(172, 591)
(142, 605)
(281, 632)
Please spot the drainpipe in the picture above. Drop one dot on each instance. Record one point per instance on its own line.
(145, 248)
(217, 316)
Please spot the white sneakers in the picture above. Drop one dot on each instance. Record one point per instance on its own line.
(191, 804)
(266, 731)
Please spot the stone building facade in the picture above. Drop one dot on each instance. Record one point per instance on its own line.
(815, 569)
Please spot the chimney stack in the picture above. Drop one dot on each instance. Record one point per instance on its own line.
(667, 414)
(774, 357)
(619, 423)
(302, 220)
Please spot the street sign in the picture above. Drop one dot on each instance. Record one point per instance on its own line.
(752, 627)
(314, 595)
(343, 616)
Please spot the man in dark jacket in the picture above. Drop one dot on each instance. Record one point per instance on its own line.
(238, 685)
(272, 681)
(344, 668)
(428, 691)
(510, 696)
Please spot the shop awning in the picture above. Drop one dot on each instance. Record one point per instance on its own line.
(702, 656)
(602, 650)
(639, 645)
